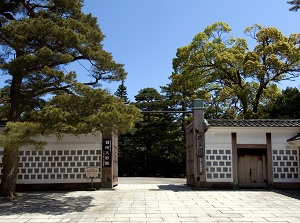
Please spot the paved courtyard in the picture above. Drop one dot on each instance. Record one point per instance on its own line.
(152, 200)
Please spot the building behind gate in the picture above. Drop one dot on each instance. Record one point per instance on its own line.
(242, 153)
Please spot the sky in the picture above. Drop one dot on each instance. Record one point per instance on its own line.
(145, 34)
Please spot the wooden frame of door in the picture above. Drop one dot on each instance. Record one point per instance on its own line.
(236, 146)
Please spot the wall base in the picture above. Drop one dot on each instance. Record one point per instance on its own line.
(56, 187)
(286, 186)
(219, 185)
(229, 185)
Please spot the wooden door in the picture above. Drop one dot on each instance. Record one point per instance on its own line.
(252, 171)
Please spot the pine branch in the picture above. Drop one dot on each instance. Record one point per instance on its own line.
(44, 91)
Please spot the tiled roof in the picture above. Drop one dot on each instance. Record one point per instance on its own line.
(255, 123)
(297, 137)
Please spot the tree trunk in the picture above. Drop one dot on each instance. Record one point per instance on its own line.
(10, 172)
(258, 96)
(244, 102)
(10, 158)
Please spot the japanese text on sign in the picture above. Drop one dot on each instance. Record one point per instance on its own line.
(200, 144)
(107, 152)
(91, 172)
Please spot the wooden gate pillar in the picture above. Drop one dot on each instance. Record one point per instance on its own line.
(109, 176)
(199, 144)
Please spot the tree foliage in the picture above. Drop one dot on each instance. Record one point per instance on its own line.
(21, 133)
(156, 144)
(295, 5)
(39, 39)
(89, 110)
(235, 80)
(286, 105)
(122, 93)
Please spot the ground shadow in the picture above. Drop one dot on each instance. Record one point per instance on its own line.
(56, 203)
(290, 193)
(174, 187)
(186, 188)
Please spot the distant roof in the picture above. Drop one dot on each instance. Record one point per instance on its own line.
(255, 123)
(297, 137)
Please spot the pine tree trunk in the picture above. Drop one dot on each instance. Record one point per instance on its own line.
(10, 158)
(10, 172)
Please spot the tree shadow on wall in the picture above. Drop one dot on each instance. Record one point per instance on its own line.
(54, 203)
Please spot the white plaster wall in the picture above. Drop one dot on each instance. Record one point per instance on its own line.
(279, 139)
(219, 138)
(63, 161)
(218, 151)
(285, 156)
(251, 137)
(67, 138)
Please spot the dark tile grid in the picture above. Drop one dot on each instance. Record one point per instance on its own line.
(55, 164)
(218, 163)
(285, 164)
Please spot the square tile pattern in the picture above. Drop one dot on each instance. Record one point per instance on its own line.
(56, 165)
(59, 165)
(285, 164)
(218, 163)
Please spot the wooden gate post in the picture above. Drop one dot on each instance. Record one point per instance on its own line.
(199, 144)
(109, 176)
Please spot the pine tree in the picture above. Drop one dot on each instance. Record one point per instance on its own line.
(38, 39)
(122, 93)
(156, 144)
(295, 5)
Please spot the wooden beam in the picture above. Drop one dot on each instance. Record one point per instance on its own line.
(166, 112)
(269, 159)
(251, 146)
(234, 158)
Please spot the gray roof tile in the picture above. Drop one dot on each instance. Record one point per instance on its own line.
(254, 123)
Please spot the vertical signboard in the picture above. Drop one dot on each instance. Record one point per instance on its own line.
(200, 144)
(107, 152)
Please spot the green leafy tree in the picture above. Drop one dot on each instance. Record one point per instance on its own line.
(122, 92)
(295, 5)
(222, 70)
(286, 105)
(38, 39)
